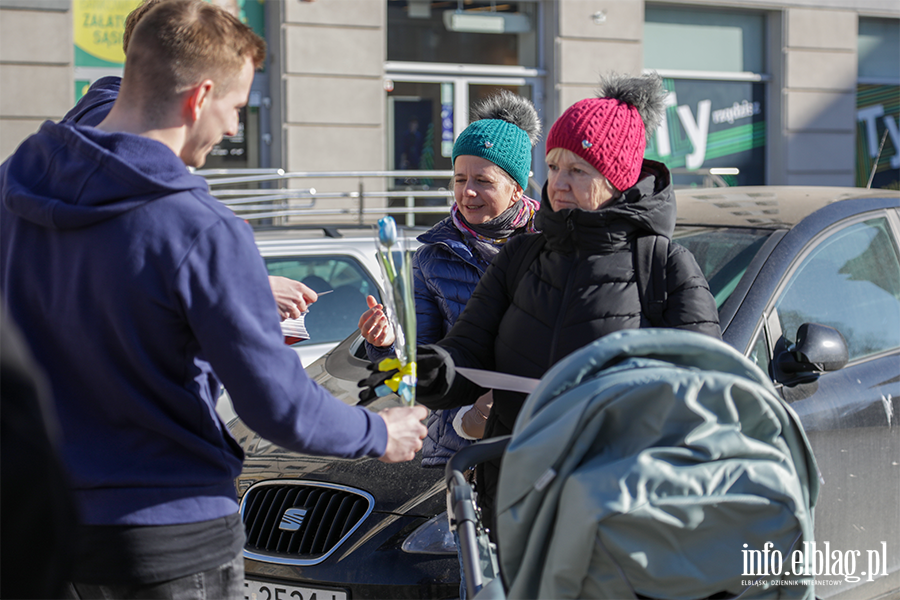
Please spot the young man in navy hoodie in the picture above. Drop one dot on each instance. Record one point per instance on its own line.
(138, 292)
(292, 297)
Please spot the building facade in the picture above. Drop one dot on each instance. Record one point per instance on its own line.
(798, 92)
(36, 59)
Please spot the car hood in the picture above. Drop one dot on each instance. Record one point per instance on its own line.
(402, 488)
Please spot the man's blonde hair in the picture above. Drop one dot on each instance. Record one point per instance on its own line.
(177, 44)
(132, 19)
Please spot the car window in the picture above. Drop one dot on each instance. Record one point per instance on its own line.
(723, 255)
(850, 281)
(759, 352)
(335, 315)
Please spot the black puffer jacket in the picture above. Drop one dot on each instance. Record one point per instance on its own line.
(579, 288)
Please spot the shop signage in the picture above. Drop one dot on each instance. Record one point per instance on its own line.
(713, 124)
(878, 116)
(99, 25)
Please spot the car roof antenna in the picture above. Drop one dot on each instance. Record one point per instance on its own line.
(877, 158)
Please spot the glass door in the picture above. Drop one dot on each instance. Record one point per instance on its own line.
(425, 114)
(420, 123)
(420, 137)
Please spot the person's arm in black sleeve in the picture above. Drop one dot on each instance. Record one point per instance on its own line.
(689, 304)
(470, 342)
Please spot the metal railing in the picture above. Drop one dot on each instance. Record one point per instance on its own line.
(273, 198)
(265, 194)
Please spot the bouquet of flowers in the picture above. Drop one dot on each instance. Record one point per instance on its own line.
(399, 304)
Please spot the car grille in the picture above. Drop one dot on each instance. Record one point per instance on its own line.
(300, 522)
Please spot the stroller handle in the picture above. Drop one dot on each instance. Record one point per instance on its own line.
(474, 454)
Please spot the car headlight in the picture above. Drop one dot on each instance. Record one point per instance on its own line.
(432, 537)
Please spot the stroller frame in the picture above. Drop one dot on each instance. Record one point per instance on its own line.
(462, 511)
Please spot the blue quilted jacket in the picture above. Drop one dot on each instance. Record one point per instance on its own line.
(445, 271)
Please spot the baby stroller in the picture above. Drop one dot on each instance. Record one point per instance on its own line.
(653, 463)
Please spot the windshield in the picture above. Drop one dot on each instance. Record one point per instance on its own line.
(723, 254)
(334, 316)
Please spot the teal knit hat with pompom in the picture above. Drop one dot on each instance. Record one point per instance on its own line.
(504, 132)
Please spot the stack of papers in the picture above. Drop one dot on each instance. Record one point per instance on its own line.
(294, 330)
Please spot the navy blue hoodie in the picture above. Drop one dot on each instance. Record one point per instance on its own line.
(137, 291)
(96, 103)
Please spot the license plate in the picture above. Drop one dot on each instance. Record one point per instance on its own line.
(263, 590)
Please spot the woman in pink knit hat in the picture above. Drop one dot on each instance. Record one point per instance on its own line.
(549, 294)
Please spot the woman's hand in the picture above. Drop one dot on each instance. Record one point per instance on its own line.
(474, 419)
(374, 325)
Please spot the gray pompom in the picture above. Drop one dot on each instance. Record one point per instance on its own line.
(511, 108)
(645, 93)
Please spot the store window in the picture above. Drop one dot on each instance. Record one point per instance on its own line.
(698, 40)
(421, 121)
(713, 66)
(421, 125)
(443, 57)
(878, 104)
(877, 43)
(464, 32)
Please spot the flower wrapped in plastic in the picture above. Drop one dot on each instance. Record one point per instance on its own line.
(399, 303)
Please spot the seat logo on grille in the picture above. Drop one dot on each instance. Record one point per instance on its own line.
(292, 519)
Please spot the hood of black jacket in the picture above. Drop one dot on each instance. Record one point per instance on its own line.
(68, 176)
(646, 208)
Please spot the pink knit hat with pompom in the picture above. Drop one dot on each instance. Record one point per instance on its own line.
(611, 131)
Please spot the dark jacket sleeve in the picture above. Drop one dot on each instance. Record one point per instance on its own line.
(470, 342)
(376, 354)
(689, 305)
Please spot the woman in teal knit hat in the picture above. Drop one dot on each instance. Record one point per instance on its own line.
(491, 165)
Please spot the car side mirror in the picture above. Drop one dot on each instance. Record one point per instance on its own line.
(818, 349)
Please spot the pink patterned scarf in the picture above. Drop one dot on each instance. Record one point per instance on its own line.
(487, 238)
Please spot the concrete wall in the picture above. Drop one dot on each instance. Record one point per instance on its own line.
(819, 62)
(333, 99)
(590, 38)
(329, 105)
(36, 58)
(55, 5)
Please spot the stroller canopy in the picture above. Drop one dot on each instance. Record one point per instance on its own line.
(655, 463)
